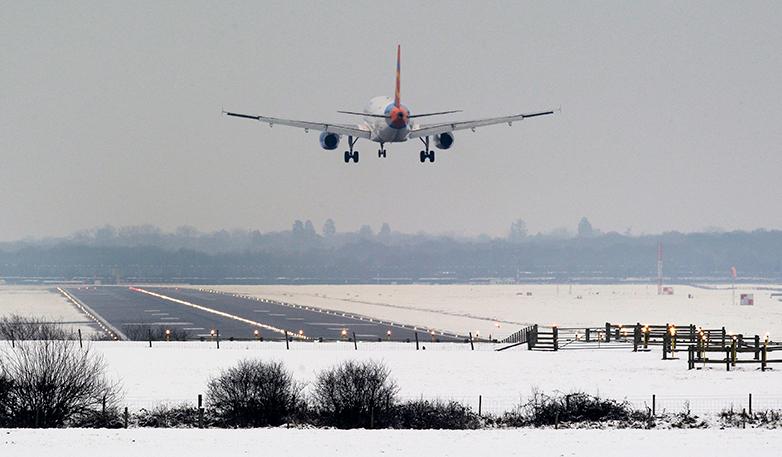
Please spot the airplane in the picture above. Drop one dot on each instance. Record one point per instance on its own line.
(387, 120)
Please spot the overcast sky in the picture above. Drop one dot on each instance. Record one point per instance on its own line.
(110, 114)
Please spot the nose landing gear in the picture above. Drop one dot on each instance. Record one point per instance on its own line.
(351, 154)
(426, 153)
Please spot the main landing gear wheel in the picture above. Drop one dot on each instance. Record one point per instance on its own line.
(381, 153)
(351, 154)
(426, 153)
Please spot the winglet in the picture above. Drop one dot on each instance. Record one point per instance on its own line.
(398, 58)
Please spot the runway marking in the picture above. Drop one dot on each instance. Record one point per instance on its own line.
(219, 313)
(260, 310)
(157, 323)
(151, 310)
(193, 328)
(276, 314)
(294, 318)
(169, 318)
(345, 324)
(159, 314)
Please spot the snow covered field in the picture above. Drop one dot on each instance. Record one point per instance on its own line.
(327, 443)
(176, 372)
(44, 302)
(471, 308)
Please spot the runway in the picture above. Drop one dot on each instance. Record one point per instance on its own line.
(198, 311)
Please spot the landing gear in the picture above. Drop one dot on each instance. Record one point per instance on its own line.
(351, 154)
(426, 153)
(382, 151)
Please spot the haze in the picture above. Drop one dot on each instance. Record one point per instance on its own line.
(110, 113)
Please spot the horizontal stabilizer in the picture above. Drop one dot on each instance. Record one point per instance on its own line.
(436, 114)
(353, 113)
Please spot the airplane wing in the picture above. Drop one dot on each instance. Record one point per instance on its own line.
(341, 129)
(434, 129)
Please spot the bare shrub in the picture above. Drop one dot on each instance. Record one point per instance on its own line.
(573, 408)
(21, 328)
(426, 414)
(53, 384)
(355, 395)
(163, 416)
(254, 394)
(143, 332)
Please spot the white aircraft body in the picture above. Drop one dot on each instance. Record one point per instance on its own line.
(386, 120)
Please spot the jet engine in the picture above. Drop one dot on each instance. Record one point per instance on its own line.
(329, 140)
(443, 140)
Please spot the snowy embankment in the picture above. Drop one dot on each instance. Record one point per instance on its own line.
(326, 443)
(43, 302)
(177, 372)
(500, 310)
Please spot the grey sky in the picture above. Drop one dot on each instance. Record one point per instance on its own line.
(110, 113)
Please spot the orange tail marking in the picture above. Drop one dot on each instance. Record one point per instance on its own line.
(398, 58)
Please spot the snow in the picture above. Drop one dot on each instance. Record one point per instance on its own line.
(44, 302)
(326, 443)
(500, 310)
(178, 371)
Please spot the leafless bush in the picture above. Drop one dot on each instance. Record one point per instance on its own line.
(570, 409)
(254, 394)
(178, 416)
(143, 332)
(437, 414)
(54, 384)
(355, 395)
(21, 328)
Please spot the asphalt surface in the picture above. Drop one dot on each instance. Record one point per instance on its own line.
(124, 306)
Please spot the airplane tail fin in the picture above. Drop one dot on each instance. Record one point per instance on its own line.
(398, 58)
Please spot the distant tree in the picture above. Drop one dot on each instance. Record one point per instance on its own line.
(518, 230)
(309, 229)
(329, 228)
(385, 232)
(585, 229)
(365, 232)
(186, 231)
(105, 233)
(298, 227)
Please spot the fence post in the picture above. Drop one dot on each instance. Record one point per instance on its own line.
(416, 341)
(733, 351)
(723, 337)
(217, 337)
(750, 404)
(200, 411)
(654, 405)
(763, 360)
(666, 342)
(555, 337)
(727, 359)
(125, 417)
(533, 338)
(757, 349)
(689, 357)
(81, 346)
(149, 332)
(287, 344)
(472, 347)
(587, 334)
(480, 401)
(636, 336)
(608, 332)
(355, 342)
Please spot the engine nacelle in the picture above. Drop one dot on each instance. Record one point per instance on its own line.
(329, 140)
(443, 140)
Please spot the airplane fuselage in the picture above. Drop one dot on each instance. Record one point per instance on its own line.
(395, 124)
